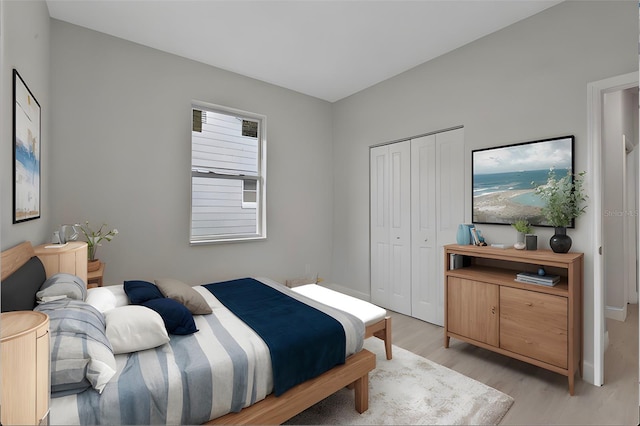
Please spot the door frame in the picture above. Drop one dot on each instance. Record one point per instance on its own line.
(595, 97)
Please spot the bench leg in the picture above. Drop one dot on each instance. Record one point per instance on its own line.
(385, 335)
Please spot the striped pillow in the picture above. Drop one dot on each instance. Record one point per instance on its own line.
(81, 355)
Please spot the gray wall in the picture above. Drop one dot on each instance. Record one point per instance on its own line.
(525, 82)
(122, 132)
(25, 47)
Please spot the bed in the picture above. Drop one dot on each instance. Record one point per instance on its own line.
(193, 370)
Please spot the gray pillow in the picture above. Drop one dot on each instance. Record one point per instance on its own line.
(81, 354)
(60, 286)
(185, 294)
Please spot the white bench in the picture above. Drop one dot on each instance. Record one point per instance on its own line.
(375, 318)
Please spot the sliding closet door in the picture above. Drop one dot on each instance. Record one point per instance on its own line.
(391, 227)
(379, 223)
(450, 177)
(417, 202)
(424, 246)
(437, 207)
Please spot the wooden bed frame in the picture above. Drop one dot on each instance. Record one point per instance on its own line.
(381, 330)
(354, 373)
(14, 258)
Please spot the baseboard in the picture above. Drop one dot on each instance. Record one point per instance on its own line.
(618, 314)
(588, 373)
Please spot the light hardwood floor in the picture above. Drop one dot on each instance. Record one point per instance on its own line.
(541, 397)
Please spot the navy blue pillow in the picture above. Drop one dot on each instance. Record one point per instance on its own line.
(141, 291)
(177, 318)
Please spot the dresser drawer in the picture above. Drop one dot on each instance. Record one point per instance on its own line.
(534, 324)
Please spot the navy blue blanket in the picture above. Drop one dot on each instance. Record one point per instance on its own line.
(303, 341)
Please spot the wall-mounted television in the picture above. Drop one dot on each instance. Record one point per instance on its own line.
(504, 179)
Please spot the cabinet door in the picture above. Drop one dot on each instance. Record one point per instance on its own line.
(534, 324)
(473, 310)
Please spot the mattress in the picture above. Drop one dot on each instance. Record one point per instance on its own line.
(367, 312)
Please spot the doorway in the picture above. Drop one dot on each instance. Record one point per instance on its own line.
(596, 92)
(619, 177)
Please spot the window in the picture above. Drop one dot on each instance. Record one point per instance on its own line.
(228, 169)
(249, 194)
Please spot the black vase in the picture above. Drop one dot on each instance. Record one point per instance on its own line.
(560, 242)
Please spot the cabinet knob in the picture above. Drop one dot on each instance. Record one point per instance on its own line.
(528, 303)
(493, 310)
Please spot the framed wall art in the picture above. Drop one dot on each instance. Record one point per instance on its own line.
(26, 152)
(504, 179)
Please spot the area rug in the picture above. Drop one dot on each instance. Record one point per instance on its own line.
(412, 390)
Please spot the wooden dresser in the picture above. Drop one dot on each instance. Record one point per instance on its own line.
(24, 351)
(485, 306)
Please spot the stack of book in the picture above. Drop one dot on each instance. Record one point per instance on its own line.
(533, 278)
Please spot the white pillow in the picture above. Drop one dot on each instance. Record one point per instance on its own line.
(106, 298)
(134, 328)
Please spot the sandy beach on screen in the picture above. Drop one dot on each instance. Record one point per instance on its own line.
(499, 208)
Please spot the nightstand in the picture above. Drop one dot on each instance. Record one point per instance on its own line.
(24, 348)
(70, 258)
(94, 278)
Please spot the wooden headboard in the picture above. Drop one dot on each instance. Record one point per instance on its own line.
(22, 275)
(14, 258)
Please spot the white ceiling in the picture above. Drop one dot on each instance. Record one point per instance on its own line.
(329, 49)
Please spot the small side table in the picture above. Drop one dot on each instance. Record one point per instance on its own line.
(94, 278)
(24, 347)
(70, 258)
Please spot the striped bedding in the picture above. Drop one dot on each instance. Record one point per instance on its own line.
(222, 368)
(81, 354)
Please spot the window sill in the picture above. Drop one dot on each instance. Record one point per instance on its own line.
(231, 239)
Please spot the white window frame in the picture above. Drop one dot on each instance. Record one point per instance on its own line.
(261, 180)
